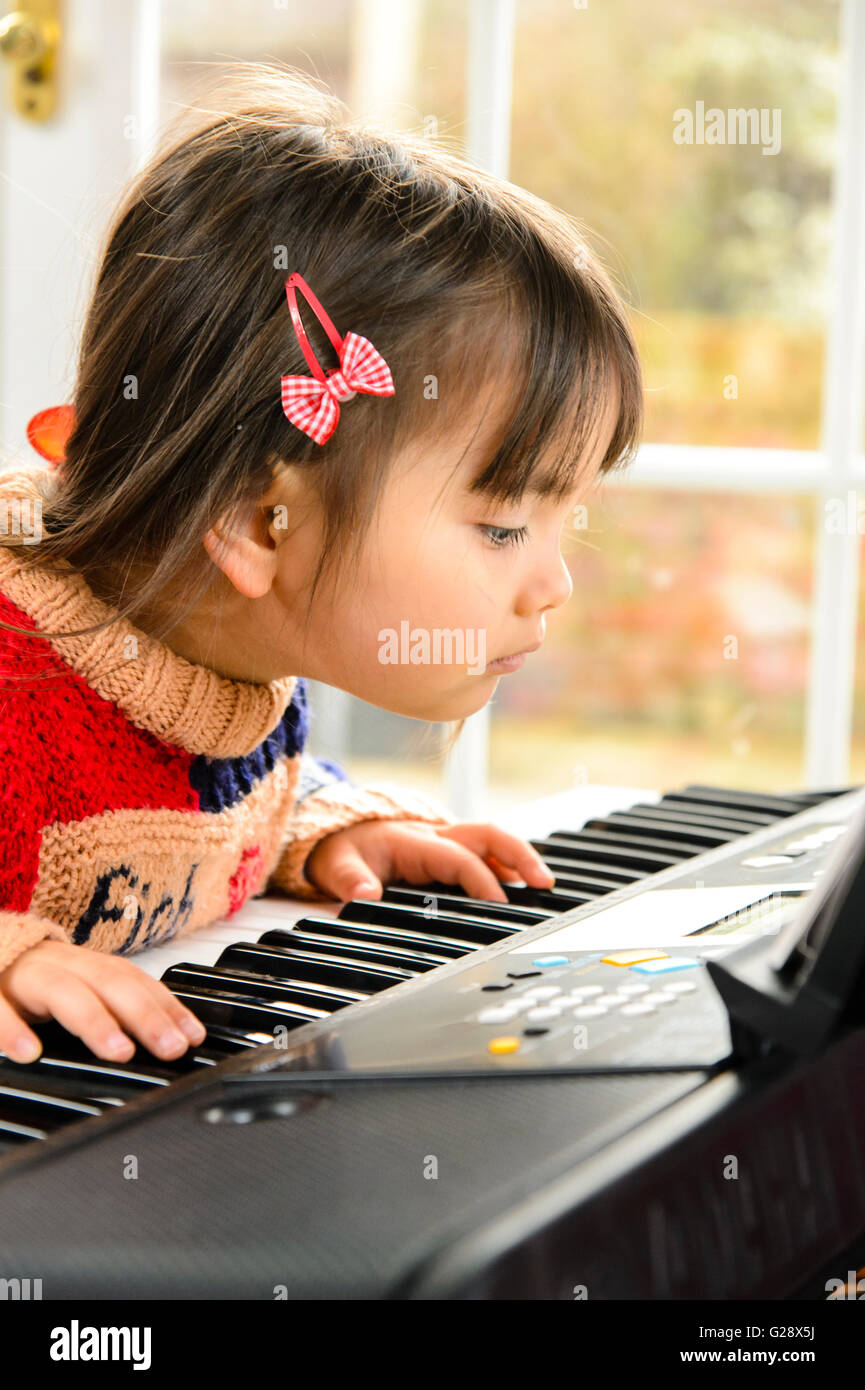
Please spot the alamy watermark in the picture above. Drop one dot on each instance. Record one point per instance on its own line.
(735, 126)
(21, 516)
(438, 646)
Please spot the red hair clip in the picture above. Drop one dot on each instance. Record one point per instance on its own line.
(312, 403)
(49, 431)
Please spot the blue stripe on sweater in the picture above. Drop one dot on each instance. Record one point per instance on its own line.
(222, 782)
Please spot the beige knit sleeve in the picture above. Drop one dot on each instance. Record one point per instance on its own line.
(20, 930)
(333, 807)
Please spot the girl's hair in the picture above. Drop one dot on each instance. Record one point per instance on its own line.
(462, 281)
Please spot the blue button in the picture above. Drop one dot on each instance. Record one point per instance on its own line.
(660, 967)
(551, 960)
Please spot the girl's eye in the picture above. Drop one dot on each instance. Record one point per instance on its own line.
(502, 536)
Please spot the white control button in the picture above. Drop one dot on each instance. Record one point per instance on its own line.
(660, 996)
(500, 1014)
(641, 1008)
(543, 992)
(586, 991)
(589, 1011)
(612, 1001)
(545, 1011)
(681, 986)
(632, 989)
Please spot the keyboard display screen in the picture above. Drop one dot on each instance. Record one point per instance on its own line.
(669, 916)
(768, 915)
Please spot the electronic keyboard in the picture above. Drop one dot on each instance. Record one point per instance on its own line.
(433, 1096)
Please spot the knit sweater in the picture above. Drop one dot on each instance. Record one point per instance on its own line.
(144, 796)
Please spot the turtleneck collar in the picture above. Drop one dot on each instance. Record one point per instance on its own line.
(184, 704)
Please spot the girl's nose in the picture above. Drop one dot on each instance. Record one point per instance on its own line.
(549, 587)
(564, 585)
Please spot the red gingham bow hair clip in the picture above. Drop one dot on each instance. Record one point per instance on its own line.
(49, 430)
(312, 403)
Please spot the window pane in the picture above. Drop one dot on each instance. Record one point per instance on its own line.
(681, 655)
(419, 74)
(721, 247)
(198, 38)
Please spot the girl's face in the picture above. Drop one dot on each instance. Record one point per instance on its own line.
(447, 585)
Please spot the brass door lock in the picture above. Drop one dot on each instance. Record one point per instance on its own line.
(29, 40)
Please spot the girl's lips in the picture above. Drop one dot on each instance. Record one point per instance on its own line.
(511, 663)
(507, 663)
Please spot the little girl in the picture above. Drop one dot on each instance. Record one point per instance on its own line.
(230, 511)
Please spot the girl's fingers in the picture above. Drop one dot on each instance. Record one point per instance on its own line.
(147, 1008)
(77, 1004)
(449, 862)
(16, 1039)
(501, 870)
(134, 993)
(509, 850)
(340, 869)
(78, 1009)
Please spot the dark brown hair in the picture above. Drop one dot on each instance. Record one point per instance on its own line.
(452, 273)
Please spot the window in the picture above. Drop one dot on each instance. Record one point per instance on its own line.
(720, 630)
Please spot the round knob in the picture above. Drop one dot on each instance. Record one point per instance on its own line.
(21, 39)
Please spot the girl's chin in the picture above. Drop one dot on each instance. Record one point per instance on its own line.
(438, 707)
(474, 693)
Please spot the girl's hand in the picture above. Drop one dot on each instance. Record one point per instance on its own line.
(90, 994)
(355, 862)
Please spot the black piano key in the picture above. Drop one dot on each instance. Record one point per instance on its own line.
(222, 1041)
(466, 927)
(737, 822)
(13, 1135)
(595, 875)
(648, 828)
(571, 879)
(554, 900)
(445, 946)
(284, 993)
(569, 844)
(103, 1083)
(76, 1088)
(813, 798)
(777, 806)
(541, 902)
(614, 839)
(482, 908)
(549, 900)
(256, 956)
(233, 1011)
(63, 1051)
(298, 962)
(28, 1104)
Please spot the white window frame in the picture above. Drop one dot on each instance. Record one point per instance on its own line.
(828, 473)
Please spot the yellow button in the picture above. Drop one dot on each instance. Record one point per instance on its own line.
(631, 957)
(503, 1044)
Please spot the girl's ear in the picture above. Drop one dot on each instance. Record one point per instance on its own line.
(245, 557)
(247, 550)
